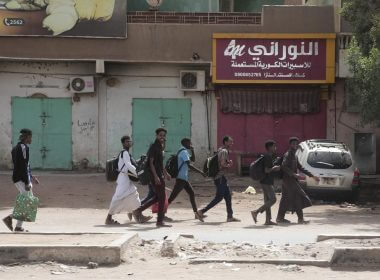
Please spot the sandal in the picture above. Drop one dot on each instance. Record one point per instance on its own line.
(20, 229)
(199, 217)
(112, 222)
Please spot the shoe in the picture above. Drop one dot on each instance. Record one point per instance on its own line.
(162, 225)
(144, 219)
(20, 229)
(254, 216)
(232, 219)
(200, 214)
(199, 217)
(137, 216)
(303, 222)
(8, 222)
(130, 216)
(167, 219)
(283, 221)
(270, 223)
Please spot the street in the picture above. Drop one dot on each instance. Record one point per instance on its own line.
(78, 203)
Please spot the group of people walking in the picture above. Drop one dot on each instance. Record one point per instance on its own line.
(126, 197)
(293, 198)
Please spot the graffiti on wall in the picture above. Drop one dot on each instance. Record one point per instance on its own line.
(86, 127)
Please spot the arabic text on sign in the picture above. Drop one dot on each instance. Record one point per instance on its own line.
(292, 51)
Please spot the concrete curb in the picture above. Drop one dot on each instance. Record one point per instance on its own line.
(111, 254)
(123, 244)
(60, 233)
(319, 263)
(323, 237)
(356, 257)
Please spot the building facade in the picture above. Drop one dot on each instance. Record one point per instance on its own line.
(138, 86)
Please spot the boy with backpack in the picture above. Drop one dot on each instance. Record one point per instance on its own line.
(126, 197)
(222, 189)
(182, 174)
(267, 183)
(158, 174)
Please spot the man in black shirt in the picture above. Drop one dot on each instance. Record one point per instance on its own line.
(267, 184)
(157, 174)
(22, 176)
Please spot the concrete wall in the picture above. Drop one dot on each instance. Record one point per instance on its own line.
(109, 110)
(151, 81)
(298, 19)
(341, 125)
(343, 66)
(341, 25)
(167, 42)
(13, 79)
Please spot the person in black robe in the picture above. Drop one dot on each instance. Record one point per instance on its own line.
(294, 198)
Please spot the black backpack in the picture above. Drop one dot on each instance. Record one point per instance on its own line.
(211, 166)
(142, 170)
(256, 169)
(172, 164)
(112, 168)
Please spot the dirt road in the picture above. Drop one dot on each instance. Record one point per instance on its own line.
(78, 203)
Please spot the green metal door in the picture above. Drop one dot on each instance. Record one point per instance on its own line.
(51, 123)
(57, 134)
(146, 114)
(26, 113)
(177, 120)
(150, 114)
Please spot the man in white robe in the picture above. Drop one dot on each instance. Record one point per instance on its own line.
(126, 197)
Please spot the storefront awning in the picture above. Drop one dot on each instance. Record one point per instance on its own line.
(270, 101)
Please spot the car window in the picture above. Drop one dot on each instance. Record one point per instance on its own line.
(329, 160)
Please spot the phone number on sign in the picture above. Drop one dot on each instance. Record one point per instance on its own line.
(14, 21)
(254, 75)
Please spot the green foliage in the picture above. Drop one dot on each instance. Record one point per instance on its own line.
(364, 56)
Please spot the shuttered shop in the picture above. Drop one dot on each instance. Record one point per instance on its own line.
(252, 115)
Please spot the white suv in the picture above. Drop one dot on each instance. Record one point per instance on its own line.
(332, 162)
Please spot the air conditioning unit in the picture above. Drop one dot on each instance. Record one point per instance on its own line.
(191, 80)
(82, 84)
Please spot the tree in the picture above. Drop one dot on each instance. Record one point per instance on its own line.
(364, 56)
